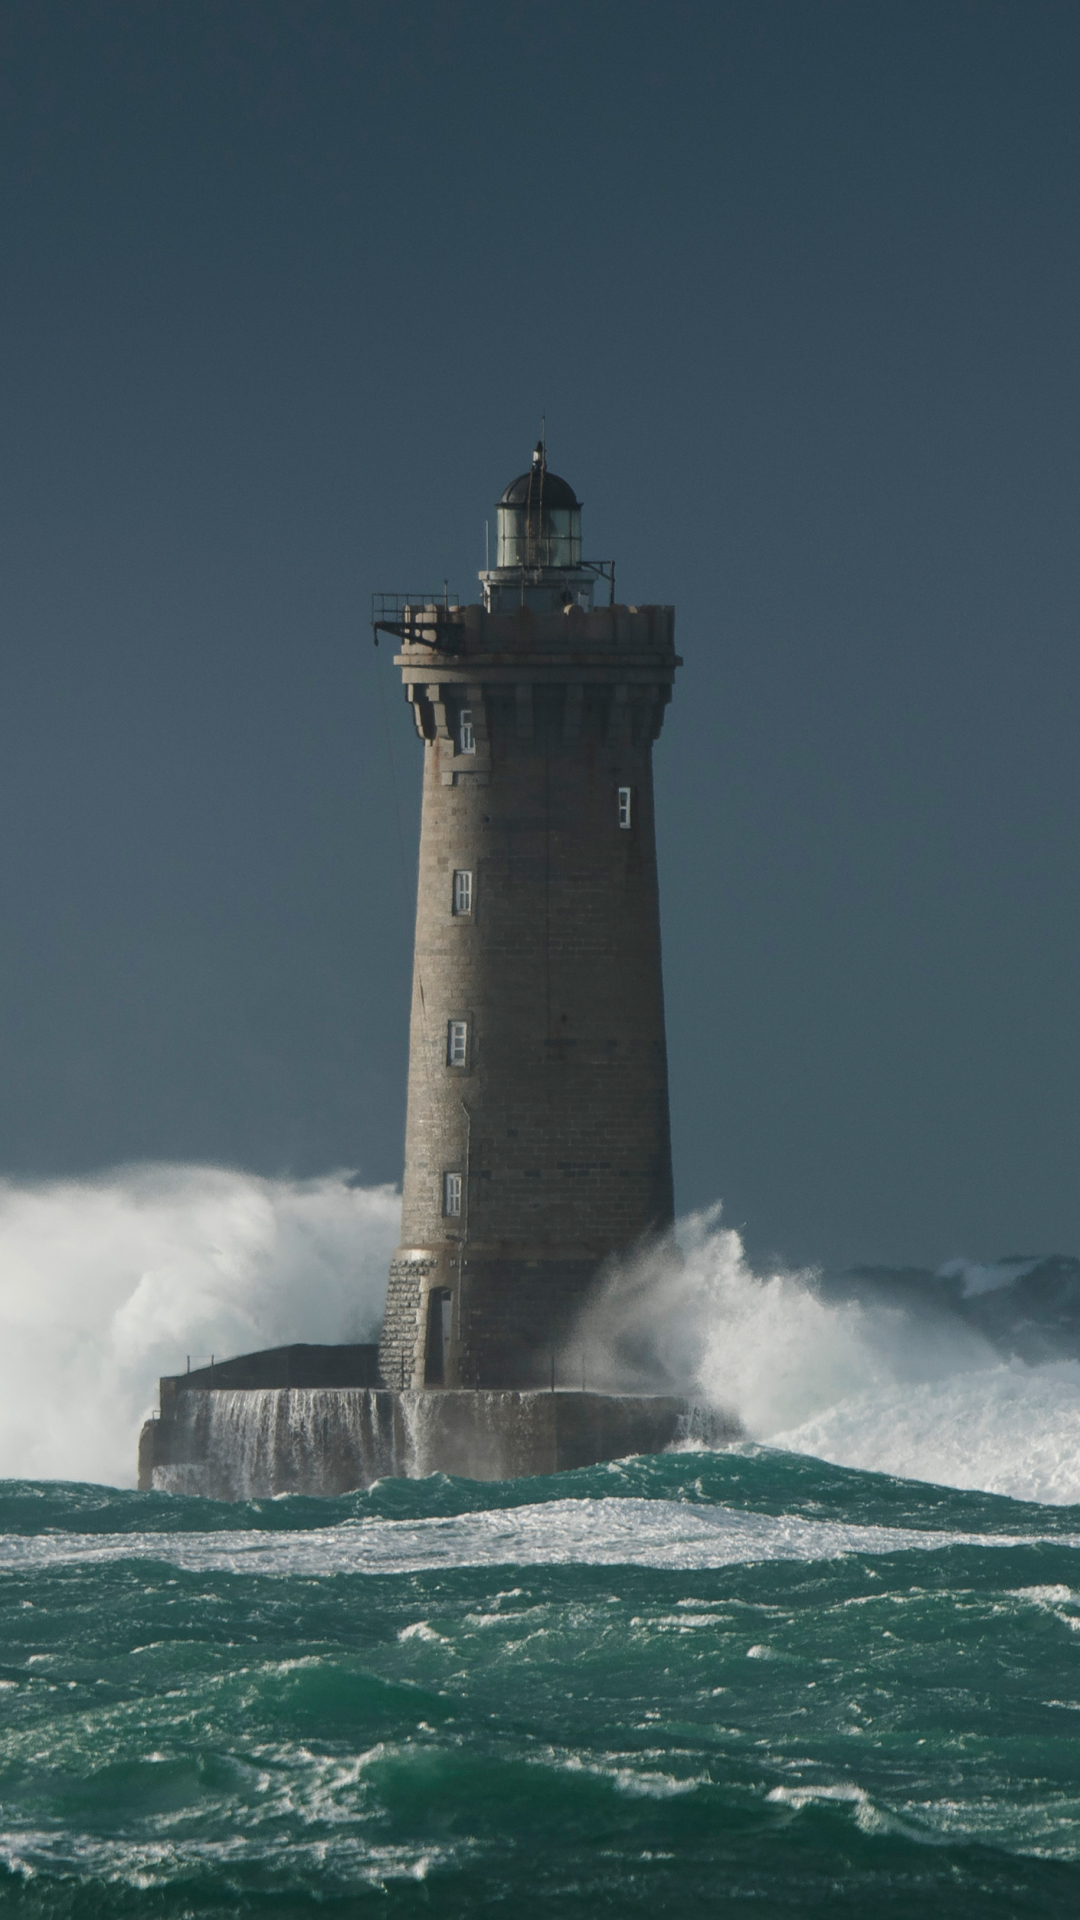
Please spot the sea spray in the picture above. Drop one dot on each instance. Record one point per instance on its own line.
(106, 1283)
(767, 1345)
(866, 1373)
(1008, 1428)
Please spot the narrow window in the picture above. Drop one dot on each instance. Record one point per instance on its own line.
(466, 738)
(462, 891)
(452, 1195)
(624, 806)
(457, 1040)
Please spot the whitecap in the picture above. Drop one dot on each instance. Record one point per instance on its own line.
(620, 1532)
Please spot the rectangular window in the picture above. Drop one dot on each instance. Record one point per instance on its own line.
(466, 737)
(452, 1195)
(624, 806)
(457, 1041)
(462, 891)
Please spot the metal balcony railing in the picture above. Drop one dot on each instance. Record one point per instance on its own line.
(421, 619)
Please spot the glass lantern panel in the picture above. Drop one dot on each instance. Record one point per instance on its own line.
(511, 541)
(559, 542)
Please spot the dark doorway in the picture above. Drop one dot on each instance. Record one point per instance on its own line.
(438, 1336)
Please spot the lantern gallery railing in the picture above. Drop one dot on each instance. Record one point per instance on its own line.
(557, 586)
(423, 619)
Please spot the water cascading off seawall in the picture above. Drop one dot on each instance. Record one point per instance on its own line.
(237, 1445)
(243, 1444)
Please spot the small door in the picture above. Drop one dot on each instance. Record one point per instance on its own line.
(437, 1345)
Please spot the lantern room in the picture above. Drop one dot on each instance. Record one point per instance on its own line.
(538, 559)
(539, 520)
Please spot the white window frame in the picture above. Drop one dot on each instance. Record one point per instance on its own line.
(461, 899)
(466, 736)
(457, 1043)
(451, 1188)
(626, 801)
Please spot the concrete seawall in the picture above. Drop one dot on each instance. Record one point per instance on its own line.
(252, 1443)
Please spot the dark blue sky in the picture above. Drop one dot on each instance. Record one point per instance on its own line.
(284, 289)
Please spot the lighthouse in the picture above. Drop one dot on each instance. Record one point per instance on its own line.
(537, 1137)
(537, 1143)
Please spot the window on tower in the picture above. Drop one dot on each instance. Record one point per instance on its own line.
(624, 806)
(466, 737)
(457, 1042)
(462, 891)
(452, 1195)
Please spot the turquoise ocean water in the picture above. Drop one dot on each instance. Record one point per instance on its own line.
(739, 1683)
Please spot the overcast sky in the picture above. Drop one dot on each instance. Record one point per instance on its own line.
(284, 285)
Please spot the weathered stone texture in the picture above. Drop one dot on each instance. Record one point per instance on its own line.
(402, 1329)
(557, 1121)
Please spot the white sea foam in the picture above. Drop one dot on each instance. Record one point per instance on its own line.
(106, 1283)
(345, 1859)
(602, 1533)
(910, 1391)
(1005, 1429)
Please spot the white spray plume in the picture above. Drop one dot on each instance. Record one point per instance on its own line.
(1008, 1428)
(106, 1283)
(912, 1392)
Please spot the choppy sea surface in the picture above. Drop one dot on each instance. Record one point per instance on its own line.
(747, 1682)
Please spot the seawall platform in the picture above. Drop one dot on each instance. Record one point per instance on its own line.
(251, 1441)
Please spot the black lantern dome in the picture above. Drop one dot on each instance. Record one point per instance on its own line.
(553, 491)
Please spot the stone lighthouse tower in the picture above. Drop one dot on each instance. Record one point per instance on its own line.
(537, 1143)
(537, 1140)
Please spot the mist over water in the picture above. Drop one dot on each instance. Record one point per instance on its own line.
(106, 1283)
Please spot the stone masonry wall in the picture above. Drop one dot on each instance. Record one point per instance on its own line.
(557, 1121)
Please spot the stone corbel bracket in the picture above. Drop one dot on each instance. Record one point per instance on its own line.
(435, 710)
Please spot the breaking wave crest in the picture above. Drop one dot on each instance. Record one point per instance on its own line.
(969, 1377)
(1010, 1428)
(949, 1377)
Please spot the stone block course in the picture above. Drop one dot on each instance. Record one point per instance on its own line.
(558, 1123)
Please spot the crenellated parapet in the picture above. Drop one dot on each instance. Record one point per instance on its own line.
(609, 671)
